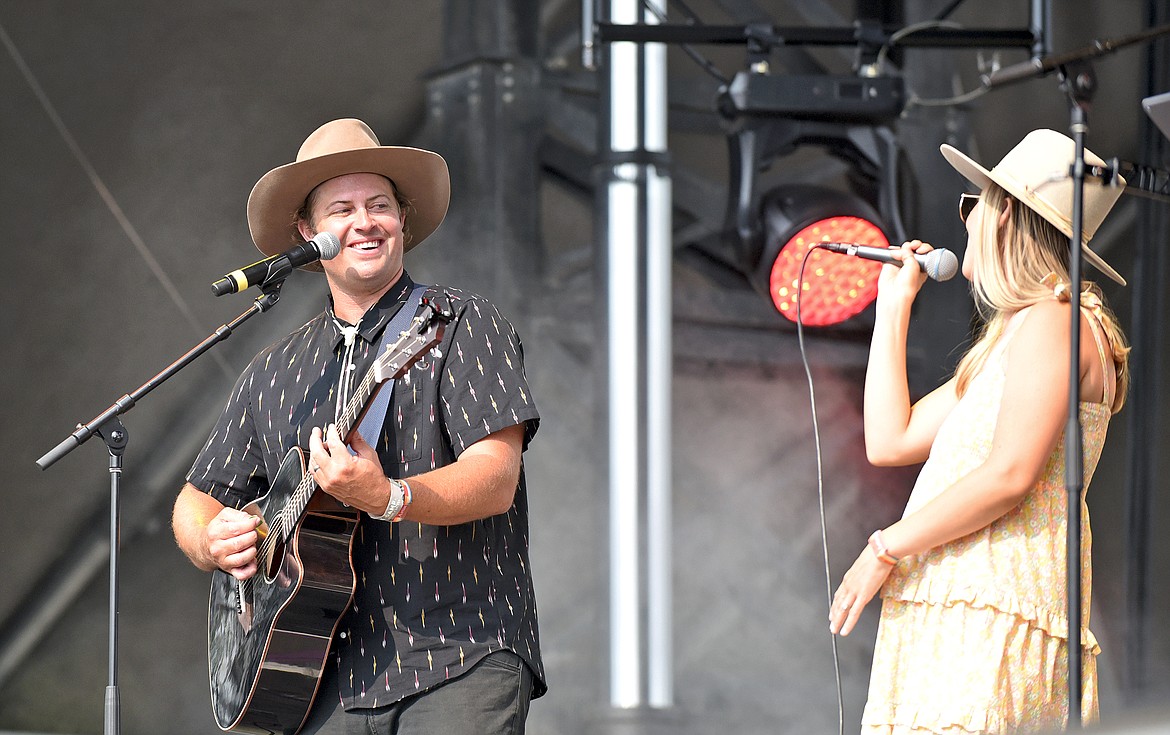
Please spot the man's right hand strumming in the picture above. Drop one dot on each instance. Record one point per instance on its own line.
(226, 541)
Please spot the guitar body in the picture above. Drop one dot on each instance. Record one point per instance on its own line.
(268, 639)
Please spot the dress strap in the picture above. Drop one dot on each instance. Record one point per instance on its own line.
(1090, 305)
(1095, 326)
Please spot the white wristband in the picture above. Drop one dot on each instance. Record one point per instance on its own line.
(397, 498)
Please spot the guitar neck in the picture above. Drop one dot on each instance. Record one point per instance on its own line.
(349, 417)
(358, 402)
(426, 331)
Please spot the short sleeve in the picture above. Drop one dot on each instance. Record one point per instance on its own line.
(484, 388)
(231, 467)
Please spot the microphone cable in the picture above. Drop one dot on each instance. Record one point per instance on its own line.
(820, 488)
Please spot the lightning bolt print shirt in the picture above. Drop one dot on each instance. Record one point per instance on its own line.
(430, 601)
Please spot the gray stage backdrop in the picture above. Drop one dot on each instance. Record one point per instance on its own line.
(130, 135)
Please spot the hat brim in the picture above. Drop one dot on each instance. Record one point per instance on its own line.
(981, 177)
(419, 175)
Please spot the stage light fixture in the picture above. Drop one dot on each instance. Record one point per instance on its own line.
(836, 287)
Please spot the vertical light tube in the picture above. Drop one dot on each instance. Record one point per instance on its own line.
(625, 444)
(639, 369)
(624, 245)
(659, 372)
(588, 35)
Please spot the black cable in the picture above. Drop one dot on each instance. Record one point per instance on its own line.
(914, 99)
(820, 489)
(691, 15)
(945, 12)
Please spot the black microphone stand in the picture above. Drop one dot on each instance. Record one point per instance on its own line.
(109, 427)
(1079, 82)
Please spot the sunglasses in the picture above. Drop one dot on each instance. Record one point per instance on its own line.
(967, 204)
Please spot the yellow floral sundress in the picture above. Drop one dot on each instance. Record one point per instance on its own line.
(972, 637)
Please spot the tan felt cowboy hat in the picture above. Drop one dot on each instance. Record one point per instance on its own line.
(337, 148)
(1036, 172)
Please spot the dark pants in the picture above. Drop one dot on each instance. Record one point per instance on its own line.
(490, 699)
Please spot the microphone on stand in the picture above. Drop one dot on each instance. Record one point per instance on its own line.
(939, 264)
(325, 246)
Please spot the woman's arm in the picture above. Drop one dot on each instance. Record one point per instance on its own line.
(897, 433)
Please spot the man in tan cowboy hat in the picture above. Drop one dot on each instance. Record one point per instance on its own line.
(441, 634)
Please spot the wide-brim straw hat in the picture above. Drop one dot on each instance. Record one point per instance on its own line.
(337, 148)
(1036, 172)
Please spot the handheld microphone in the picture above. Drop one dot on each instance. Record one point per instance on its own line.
(940, 264)
(324, 246)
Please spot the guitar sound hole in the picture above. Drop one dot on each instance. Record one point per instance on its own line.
(274, 562)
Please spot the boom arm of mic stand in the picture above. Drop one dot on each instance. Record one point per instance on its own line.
(269, 297)
(1041, 66)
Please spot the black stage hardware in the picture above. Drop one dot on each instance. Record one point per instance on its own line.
(1038, 67)
(109, 427)
(836, 97)
(805, 36)
(770, 113)
(1140, 180)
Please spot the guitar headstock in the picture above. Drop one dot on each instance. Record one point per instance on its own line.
(424, 332)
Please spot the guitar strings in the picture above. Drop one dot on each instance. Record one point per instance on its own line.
(300, 497)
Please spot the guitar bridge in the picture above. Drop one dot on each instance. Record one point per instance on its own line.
(243, 607)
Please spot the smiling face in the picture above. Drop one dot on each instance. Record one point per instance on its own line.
(363, 212)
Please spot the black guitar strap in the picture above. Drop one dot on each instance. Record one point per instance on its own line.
(372, 422)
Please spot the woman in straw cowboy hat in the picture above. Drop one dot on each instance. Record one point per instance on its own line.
(441, 633)
(973, 630)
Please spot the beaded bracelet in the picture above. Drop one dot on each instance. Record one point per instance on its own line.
(880, 550)
(406, 498)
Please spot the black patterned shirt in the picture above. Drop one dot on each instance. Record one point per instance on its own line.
(431, 601)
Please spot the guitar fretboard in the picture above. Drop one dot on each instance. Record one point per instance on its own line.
(406, 349)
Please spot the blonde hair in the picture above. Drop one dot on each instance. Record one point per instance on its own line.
(1010, 267)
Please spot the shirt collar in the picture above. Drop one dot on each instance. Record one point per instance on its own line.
(377, 316)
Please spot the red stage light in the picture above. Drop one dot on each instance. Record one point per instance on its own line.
(836, 287)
